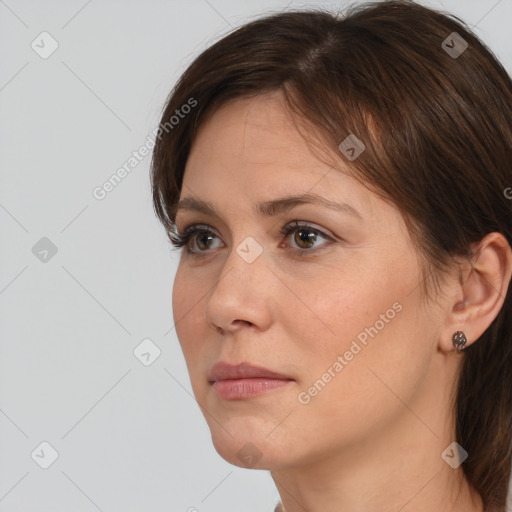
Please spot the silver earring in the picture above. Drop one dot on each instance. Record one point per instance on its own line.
(459, 340)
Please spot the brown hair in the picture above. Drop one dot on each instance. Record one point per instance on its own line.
(437, 130)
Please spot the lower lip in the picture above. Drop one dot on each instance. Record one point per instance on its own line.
(236, 389)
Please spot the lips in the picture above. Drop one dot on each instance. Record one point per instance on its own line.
(225, 371)
(244, 381)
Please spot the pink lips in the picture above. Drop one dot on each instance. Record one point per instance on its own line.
(236, 382)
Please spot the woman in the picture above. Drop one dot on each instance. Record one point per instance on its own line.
(340, 187)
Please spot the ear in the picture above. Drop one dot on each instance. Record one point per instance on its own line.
(481, 291)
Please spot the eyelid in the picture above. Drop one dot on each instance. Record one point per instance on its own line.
(295, 225)
(288, 227)
(180, 239)
(183, 239)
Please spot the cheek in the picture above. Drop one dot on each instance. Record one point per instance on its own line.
(188, 313)
(368, 316)
(179, 288)
(382, 342)
(191, 330)
(180, 299)
(346, 305)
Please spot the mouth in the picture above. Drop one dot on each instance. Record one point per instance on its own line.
(243, 381)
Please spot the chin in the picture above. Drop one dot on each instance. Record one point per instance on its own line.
(246, 451)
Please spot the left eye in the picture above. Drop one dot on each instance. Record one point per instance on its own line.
(305, 236)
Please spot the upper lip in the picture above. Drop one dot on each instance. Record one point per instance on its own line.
(224, 371)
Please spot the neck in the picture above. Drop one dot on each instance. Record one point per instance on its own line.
(327, 487)
(398, 469)
(401, 463)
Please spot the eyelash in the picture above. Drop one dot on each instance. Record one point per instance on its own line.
(182, 240)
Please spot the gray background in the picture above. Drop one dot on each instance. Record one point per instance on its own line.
(129, 437)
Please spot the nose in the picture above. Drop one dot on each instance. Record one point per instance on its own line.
(242, 295)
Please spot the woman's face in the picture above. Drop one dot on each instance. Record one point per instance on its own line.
(336, 307)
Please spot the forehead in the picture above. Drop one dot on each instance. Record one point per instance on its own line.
(255, 146)
(254, 130)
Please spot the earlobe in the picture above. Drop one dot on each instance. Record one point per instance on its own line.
(483, 288)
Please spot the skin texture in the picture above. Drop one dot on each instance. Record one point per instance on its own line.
(372, 437)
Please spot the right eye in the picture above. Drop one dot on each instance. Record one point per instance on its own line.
(190, 238)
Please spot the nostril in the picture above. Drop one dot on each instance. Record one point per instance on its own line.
(215, 328)
(244, 322)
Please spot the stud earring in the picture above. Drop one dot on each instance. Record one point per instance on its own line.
(459, 340)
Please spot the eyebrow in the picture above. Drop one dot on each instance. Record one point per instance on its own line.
(273, 207)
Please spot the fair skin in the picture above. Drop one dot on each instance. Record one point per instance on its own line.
(372, 438)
